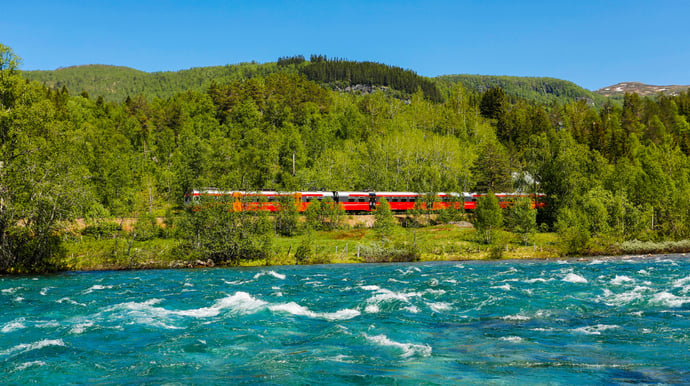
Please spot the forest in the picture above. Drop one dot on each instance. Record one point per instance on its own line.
(612, 172)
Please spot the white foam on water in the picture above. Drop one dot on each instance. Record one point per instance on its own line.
(44, 291)
(574, 278)
(385, 295)
(81, 327)
(643, 272)
(538, 280)
(70, 301)
(517, 317)
(370, 287)
(97, 287)
(188, 284)
(412, 309)
(372, 308)
(13, 326)
(451, 281)
(341, 358)
(18, 299)
(237, 282)
(509, 271)
(26, 365)
(408, 349)
(296, 309)
(270, 273)
(596, 261)
(11, 290)
(622, 279)
(669, 299)
(505, 287)
(408, 271)
(26, 347)
(240, 302)
(435, 291)
(392, 280)
(612, 299)
(681, 282)
(596, 330)
(439, 306)
(512, 339)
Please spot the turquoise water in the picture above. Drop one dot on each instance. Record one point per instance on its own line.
(602, 321)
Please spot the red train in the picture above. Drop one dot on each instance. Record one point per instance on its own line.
(354, 201)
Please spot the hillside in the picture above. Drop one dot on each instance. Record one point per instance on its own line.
(640, 88)
(535, 89)
(115, 83)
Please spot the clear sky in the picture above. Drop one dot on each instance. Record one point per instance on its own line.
(590, 42)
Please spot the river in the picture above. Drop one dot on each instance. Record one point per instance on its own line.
(603, 320)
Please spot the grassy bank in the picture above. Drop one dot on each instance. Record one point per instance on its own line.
(118, 250)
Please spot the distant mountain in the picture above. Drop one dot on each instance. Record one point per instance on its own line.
(639, 88)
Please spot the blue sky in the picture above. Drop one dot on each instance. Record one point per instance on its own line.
(592, 43)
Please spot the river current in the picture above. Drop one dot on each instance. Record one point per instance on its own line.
(600, 321)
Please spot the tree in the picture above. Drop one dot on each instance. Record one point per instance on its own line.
(493, 103)
(488, 217)
(287, 215)
(8, 60)
(492, 168)
(214, 230)
(384, 221)
(43, 179)
(523, 218)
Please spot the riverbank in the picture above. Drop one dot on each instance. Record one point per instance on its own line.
(122, 244)
(118, 250)
(447, 242)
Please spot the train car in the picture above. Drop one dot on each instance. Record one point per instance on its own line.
(352, 201)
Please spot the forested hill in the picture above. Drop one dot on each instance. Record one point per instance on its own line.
(535, 89)
(115, 83)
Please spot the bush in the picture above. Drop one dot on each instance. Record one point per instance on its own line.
(385, 252)
(102, 230)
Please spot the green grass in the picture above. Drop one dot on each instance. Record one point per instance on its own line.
(431, 243)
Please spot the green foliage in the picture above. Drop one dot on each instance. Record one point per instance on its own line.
(114, 83)
(305, 250)
(213, 230)
(488, 217)
(102, 230)
(9, 61)
(544, 91)
(522, 218)
(385, 251)
(287, 216)
(611, 172)
(324, 215)
(385, 222)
